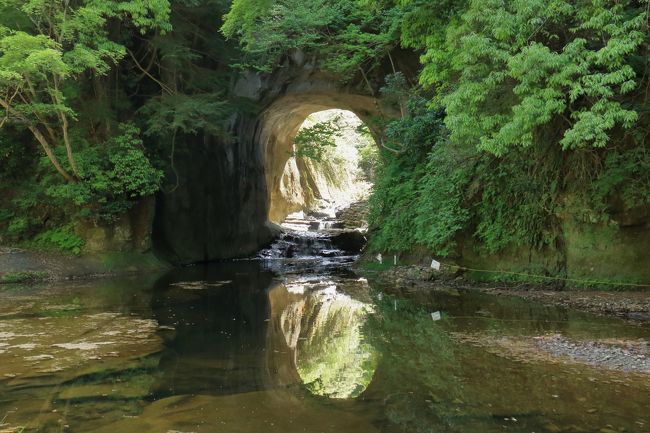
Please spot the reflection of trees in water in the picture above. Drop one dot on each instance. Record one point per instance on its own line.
(331, 353)
(418, 366)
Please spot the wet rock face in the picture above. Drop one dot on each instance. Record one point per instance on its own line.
(60, 347)
(218, 209)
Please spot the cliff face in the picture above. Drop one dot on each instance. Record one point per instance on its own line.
(218, 209)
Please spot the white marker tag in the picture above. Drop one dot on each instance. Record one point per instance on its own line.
(435, 265)
(436, 316)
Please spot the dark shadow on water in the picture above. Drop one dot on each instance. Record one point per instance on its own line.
(218, 314)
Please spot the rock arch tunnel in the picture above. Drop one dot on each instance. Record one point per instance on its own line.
(279, 125)
(220, 207)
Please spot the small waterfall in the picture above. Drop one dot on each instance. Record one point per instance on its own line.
(312, 241)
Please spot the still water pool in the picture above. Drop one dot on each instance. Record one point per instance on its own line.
(236, 348)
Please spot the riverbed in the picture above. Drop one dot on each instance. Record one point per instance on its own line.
(243, 347)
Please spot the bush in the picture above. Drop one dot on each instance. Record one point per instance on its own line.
(114, 174)
(61, 238)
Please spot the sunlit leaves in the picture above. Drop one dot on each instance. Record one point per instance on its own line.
(519, 69)
(313, 141)
(347, 35)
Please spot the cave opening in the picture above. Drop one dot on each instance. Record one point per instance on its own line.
(232, 195)
(327, 173)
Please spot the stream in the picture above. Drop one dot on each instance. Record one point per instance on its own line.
(297, 342)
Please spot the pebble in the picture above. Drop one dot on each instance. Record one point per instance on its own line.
(597, 353)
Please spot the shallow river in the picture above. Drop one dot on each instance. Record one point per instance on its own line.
(236, 348)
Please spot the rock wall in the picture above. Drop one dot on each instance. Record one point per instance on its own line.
(220, 208)
(607, 252)
(131, 233)
(586, 253)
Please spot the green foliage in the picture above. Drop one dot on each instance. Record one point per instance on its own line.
(522, 104)
(556, 79)
(524, 65)
(61, 238)
(184, 113)
(626, 174)
(392, 202)
(437, 190)
(63, 44)
(14, 157)
(315, 140)
(349, 35)
(368, 154)
(269, 29)
(419, 195)
(114, 176)
(66, 86)
(519, 198)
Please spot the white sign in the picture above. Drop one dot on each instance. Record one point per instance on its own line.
(436, 316)
(435, 265)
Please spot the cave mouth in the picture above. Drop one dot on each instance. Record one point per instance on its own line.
(329, 168)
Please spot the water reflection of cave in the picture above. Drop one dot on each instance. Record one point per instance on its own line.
(320, 332)
(342, 175)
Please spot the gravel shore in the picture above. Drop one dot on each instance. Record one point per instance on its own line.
(624, 355)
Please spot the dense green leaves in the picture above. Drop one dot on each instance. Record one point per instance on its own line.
(348, 36)
(50, 51)
(419, 195)
(625, 175)
(114, 175)
(522, 65)
(313, 141)
(520, 105)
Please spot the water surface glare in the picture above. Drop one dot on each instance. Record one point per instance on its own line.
(235, 348)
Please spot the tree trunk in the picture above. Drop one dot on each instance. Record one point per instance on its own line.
(68, 147)
(42, 141)
(52, 157)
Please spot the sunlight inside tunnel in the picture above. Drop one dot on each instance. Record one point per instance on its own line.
(330, 167)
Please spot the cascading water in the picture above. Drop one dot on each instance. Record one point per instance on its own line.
(314, 241)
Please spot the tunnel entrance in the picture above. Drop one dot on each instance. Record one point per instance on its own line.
(328, 173)
(319, 196)
(232, 192)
